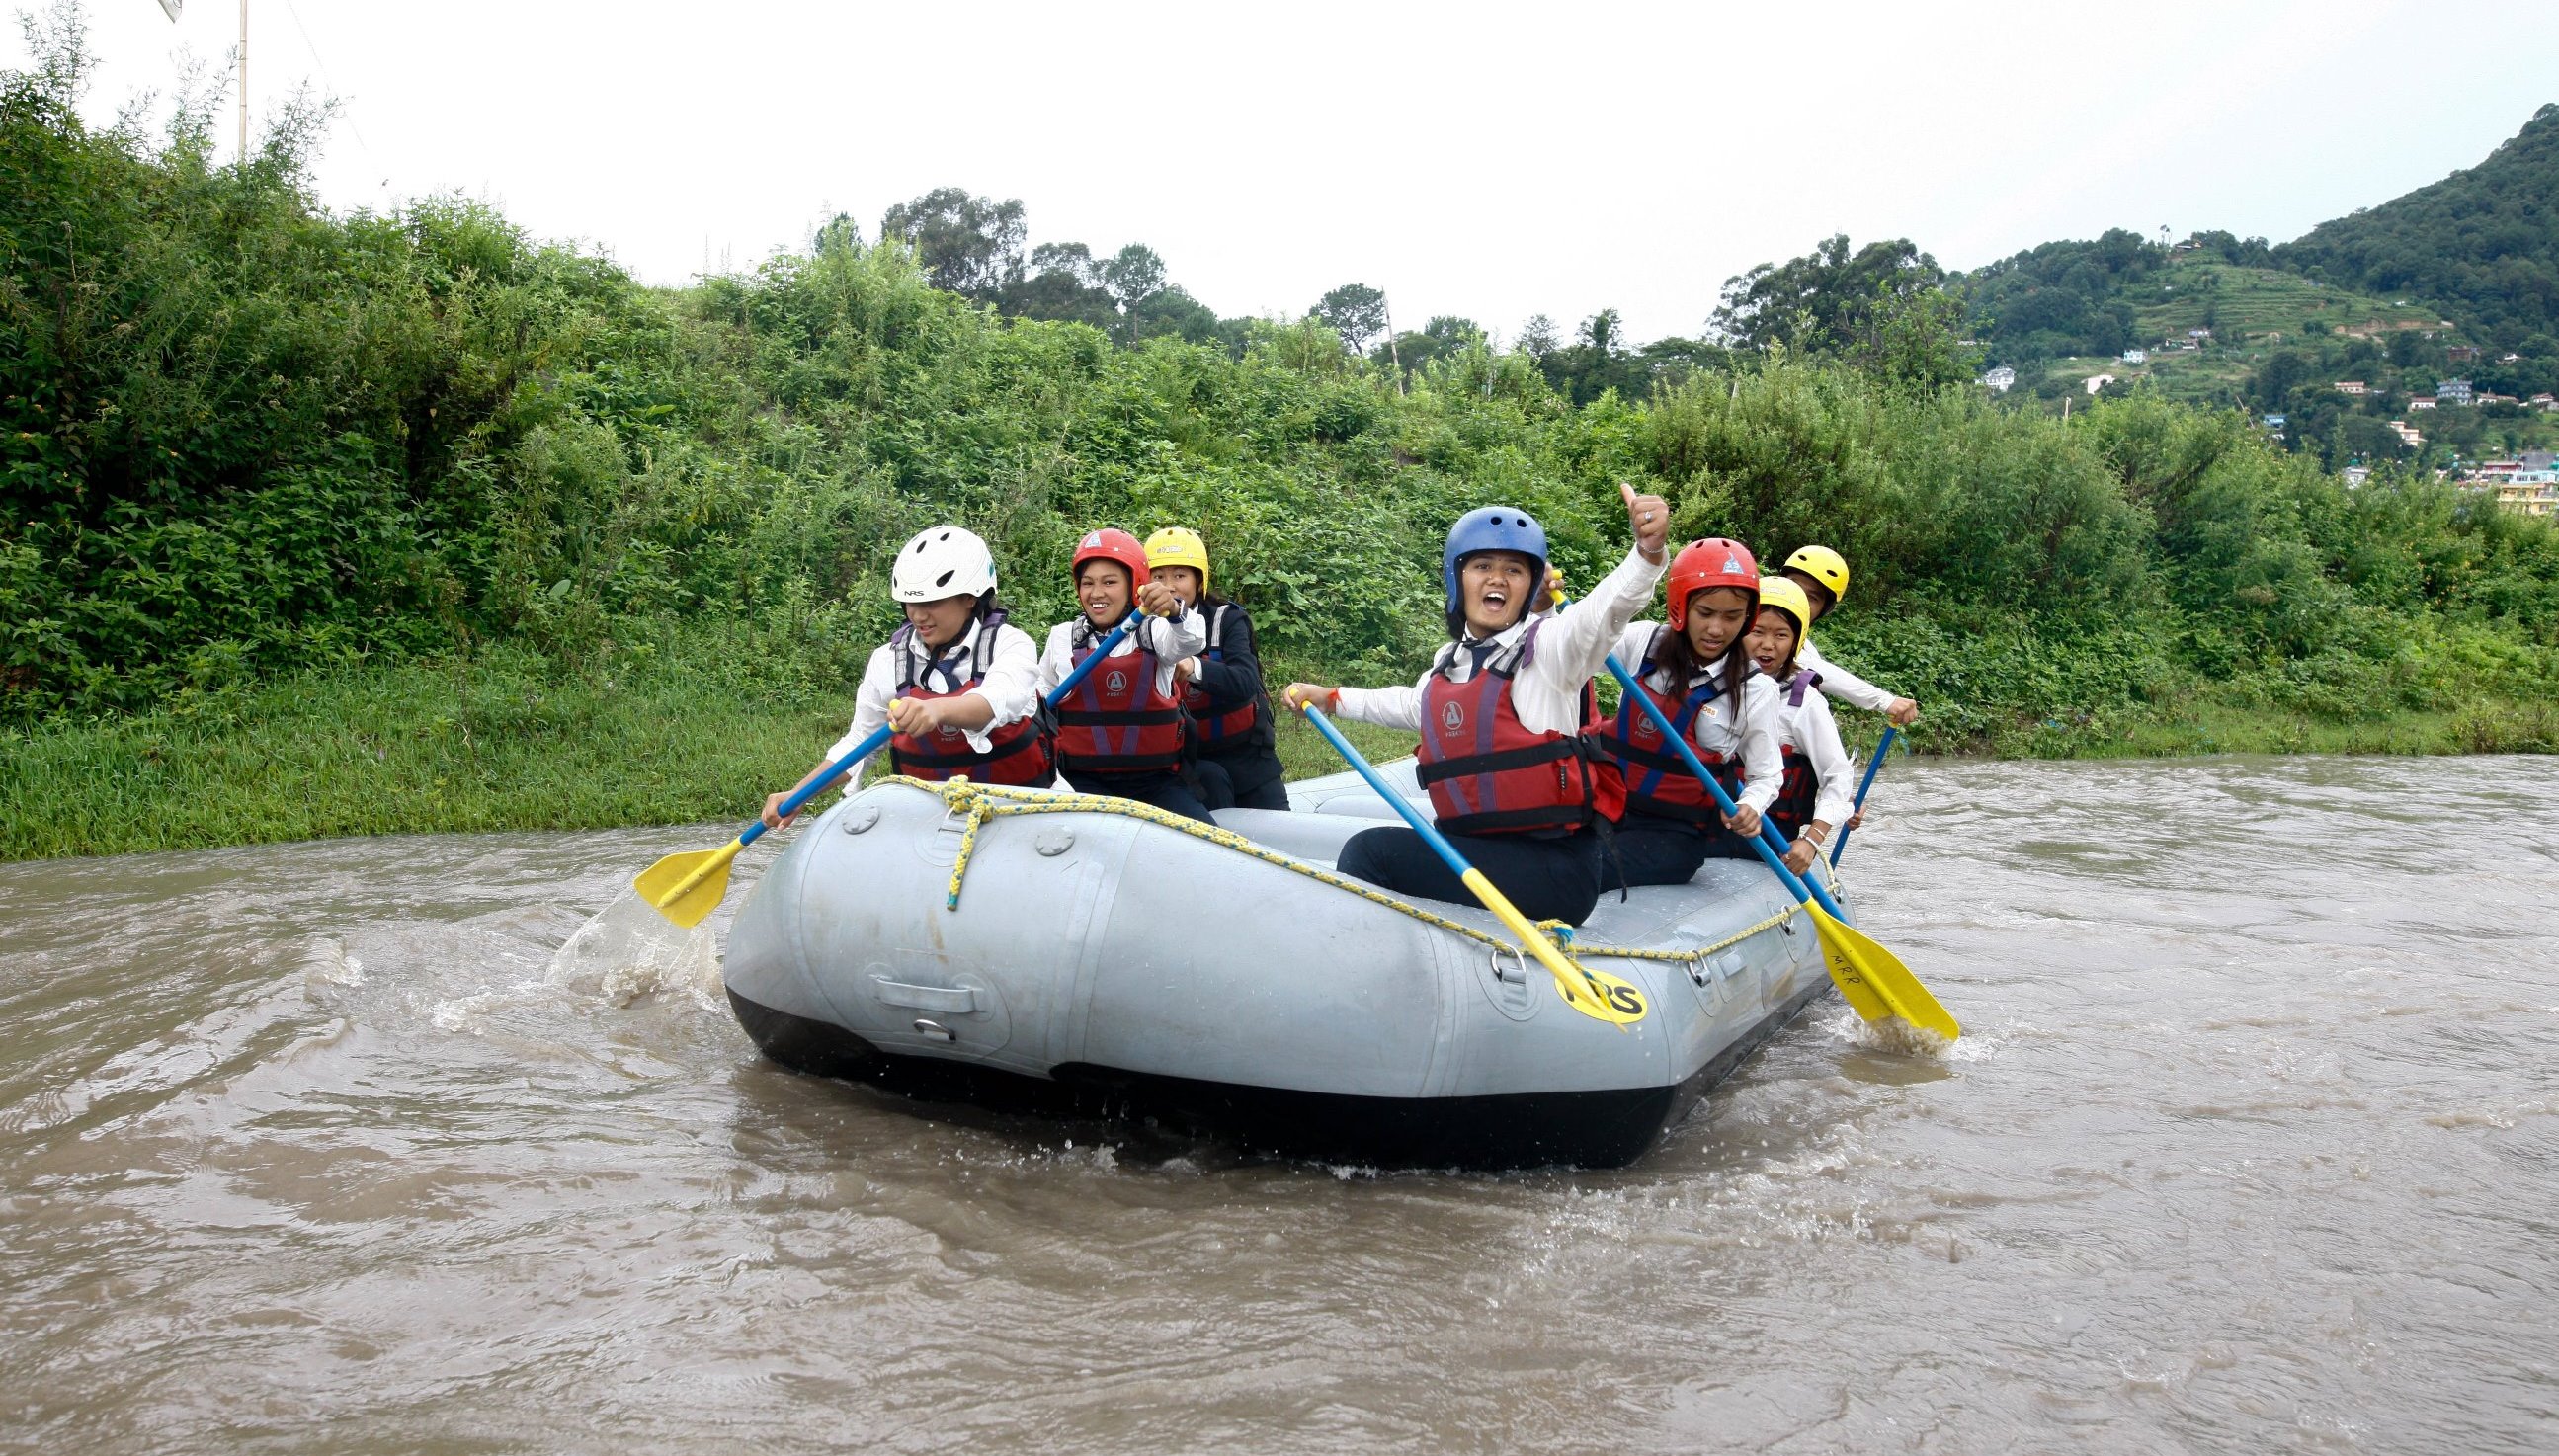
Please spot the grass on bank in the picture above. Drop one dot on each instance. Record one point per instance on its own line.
(500, 741)
(505, 740)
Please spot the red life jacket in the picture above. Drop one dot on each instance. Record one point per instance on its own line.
(1487, 772)
(1116, 722)
(1801, 787)
(1217, 727)
(1607, 786)
(1657, 779)
(1018, 752)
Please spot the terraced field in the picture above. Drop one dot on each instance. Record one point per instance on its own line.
(2251, 311)
(2246, 303)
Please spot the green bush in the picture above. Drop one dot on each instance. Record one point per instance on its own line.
(241, 436)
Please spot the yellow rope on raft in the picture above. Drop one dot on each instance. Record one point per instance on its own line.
(978, 803)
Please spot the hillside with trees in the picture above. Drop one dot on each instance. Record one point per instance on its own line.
(507, 537)
(2457, 280)
(2482, 242)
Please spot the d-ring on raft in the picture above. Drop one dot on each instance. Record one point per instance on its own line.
(1068, 954)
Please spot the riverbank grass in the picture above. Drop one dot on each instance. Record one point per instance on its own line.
(502, 741)
(509, 740)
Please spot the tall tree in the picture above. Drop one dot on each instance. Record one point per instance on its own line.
(1356, 312)
(967, 243)
(839, 232)
(1537, 339)
(1822, 299)
(1064, 284)
(1883, 308)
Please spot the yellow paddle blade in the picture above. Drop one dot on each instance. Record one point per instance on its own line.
(686, 887)
(1873, 980)
(1594, 993)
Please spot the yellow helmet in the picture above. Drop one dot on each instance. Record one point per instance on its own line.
(1824, 566)
(1786, 597)
(1178, 545)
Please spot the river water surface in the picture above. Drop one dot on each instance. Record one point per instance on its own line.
(2251, 1147)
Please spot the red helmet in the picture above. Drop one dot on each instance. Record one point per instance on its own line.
(1111, 544)
(1712, 562)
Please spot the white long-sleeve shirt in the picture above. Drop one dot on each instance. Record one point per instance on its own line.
(1811, 731)
(1171, 639)
(1547, 693)
(1748, 736)
(1010, 686)
(1841, 684)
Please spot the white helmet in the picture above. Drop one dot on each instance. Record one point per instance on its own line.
(944, 562)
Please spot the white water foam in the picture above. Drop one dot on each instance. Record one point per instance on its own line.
(629, 952)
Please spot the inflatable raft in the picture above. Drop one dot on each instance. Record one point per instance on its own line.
(1065, 955)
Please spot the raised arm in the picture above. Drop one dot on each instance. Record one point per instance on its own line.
(1573, 647)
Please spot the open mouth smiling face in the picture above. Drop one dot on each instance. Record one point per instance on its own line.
(1496, 587)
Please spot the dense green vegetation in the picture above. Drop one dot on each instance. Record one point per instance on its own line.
(2483, 243)
(2459, 279)
(325, 523)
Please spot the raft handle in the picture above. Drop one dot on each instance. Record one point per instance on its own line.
(1518, 973)
(958, 1000)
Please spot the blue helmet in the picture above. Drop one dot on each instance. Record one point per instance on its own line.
(1490, 528)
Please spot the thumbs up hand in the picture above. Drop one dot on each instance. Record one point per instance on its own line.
(1650, 515)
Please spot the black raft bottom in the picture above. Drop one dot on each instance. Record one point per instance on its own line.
(1589, 1130)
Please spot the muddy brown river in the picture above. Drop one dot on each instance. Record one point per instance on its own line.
(2254, 1145)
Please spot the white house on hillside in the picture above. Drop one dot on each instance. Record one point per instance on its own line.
(1998, 380)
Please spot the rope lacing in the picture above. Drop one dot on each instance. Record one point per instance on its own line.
(975, 804)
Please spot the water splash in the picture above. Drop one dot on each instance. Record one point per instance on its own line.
(629, 952)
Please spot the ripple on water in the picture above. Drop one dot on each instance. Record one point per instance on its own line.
(2249, 1146)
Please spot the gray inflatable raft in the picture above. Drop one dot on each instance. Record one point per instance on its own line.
(1069, 956)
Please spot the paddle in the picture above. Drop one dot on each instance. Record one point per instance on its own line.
(1863, 784)
(1874, 981)
(1593, 993)
(686, 886)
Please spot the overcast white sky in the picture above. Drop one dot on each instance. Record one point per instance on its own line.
(1478, 159)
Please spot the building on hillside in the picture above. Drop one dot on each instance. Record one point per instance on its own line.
(2199, 335)
(1998, 380)
(2355, 474)
(2530, 493)
(2349, 387)
(2095, 383)
(2452, 392)
(2407, 436)
(2421, 402)
(2137, 355)
(2275, 421)
(2460, 353)
(2509, 357)
(2540, 459)
(2544, 401)
(2492, 397)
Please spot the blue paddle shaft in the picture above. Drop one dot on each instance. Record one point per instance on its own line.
(1794, 884)
(1429, 831)
(882, 734)
(1863, 784)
